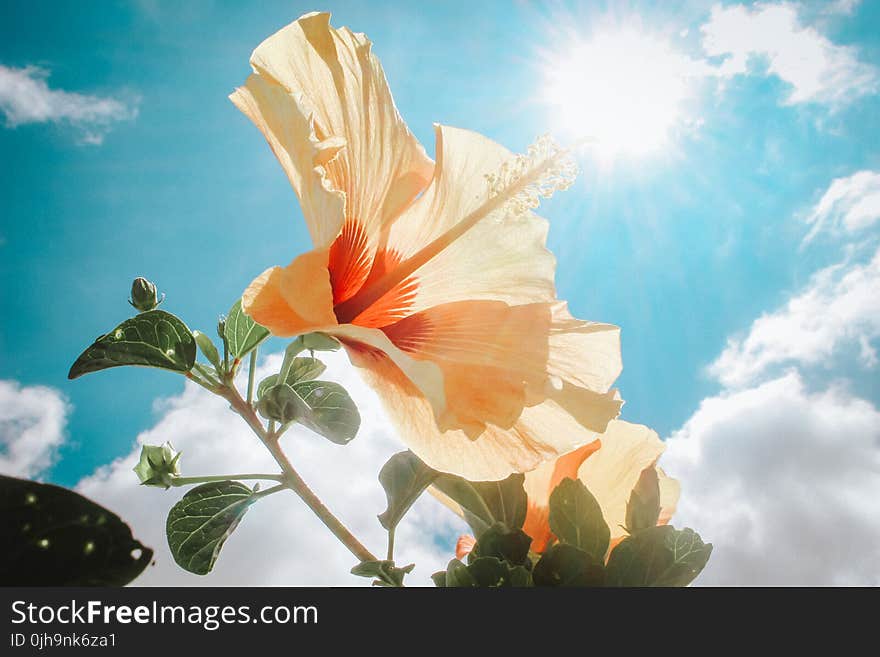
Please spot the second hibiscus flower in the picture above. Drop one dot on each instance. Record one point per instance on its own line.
(434, 275)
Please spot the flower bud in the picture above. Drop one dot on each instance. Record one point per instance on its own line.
(158, 465)
(144, 296)
(221, 327)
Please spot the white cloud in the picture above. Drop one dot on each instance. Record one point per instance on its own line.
(25, 97)
(849, 204)
(32, 422)
(280, 541)
(818, 70)
(785, 484)
(840, 307)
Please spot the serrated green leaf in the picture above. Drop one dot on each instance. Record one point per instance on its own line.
(200, 523)
(52, 536)
(206, 346)
(658, 556)
(576, 518)
(328, 410)
(385, 572)
(404, 478)
(501, 542)
(567, 565)
(243, 334)
(151, 339)
(643, 507)
(280, 403)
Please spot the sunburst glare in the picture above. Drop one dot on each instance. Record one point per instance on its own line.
(624, 88)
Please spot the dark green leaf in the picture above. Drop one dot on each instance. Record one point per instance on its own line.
(328, 410)
(385, 572)
(52, 536)
(511, 545)
(208, 349)
(506, 499)
(151, 339)
(200, 523)
(567, 565)
(439, 579)
(242, 333)
(458, 575)
(404, 477)
(576, 518)
(658, 556)
(461, 491)
(643, 508)
(492, 572)
(280, 403)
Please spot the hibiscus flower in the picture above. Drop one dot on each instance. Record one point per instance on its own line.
(609, 467)
(434, 275)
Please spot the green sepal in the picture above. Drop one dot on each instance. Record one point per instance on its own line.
(576, 518)
(658, 556)
(144, 296)
(53, 536)
(158, 465)
(567, 565)
(385, 572)
(151, 339)
(242, 334)
(199, 524)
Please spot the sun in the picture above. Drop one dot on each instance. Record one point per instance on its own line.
(622, 88)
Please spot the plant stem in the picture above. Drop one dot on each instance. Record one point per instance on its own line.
(390, 556)
(252, 370)
(186, 481)
(269, 491)
(292, 479)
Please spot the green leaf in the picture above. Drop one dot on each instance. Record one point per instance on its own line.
(280, 403)
(151, 339)
(461, 491)
(404, 478)
(567, 565)
(52, 536)
(242, 333)
(320, 342)
(328, 410)
(643, 508)
(511, 545)
(658, 556)
(385, 572)
(506, 499)
(200, 523)
(576, 518)
(208, 349)
(457, 575)
(301, 369)
(482, 572)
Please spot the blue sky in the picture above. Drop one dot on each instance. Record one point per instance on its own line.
(684, 246)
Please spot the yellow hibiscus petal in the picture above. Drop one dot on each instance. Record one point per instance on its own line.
(612, 472)
(338, 105)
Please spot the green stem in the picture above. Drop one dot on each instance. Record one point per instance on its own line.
(269, 491)
(252, 371)
(291, 479)
(186, 481)
(390, 556)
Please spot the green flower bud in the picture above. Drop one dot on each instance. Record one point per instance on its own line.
(221, 327)
(158, 465)
(144, 295)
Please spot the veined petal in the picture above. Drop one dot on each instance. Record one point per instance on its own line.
(501, 257)
(339, 105)
(612, 472)
(541, 433)
(294, 299)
